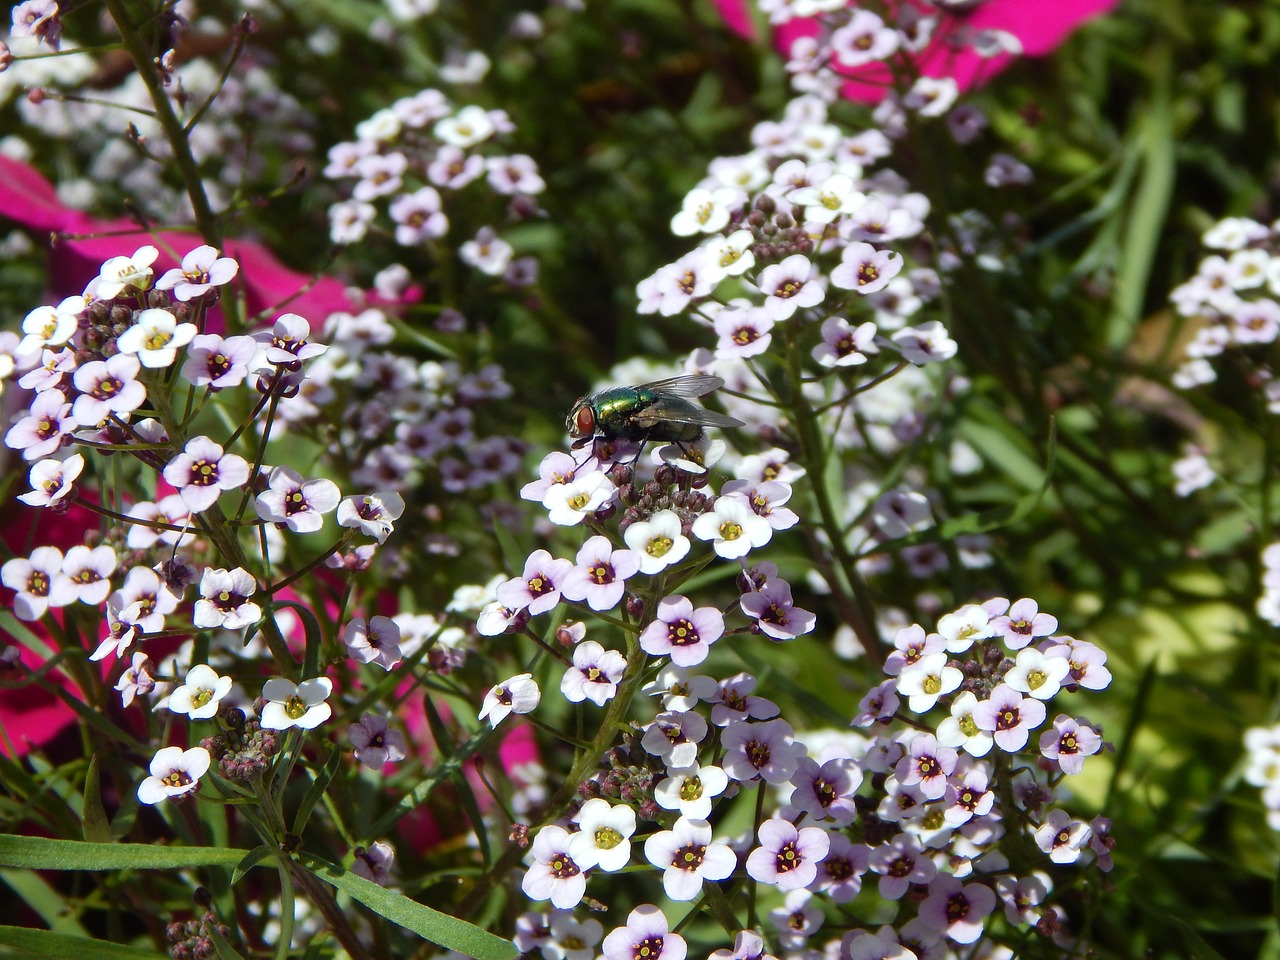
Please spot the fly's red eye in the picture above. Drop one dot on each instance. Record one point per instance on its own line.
(585, 422)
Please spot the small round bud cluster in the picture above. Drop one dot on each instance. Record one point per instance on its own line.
(193, 939)
(630, 774)
(779, 231)
(670, 489)
(245, 751)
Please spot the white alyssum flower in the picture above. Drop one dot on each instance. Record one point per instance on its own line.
(200, 693)
(292, 704)
(174, 773)
(155, 337)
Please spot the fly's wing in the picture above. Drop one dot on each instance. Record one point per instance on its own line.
(691, 387)
(674, 409)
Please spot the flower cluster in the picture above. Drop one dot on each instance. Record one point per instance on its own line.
(406, 154)
(1233, 300)
(1262, 768)
(98, 367)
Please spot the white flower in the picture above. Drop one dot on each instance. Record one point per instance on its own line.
(47, 327)
(466, 128)
(604, 835)
(705, 211)
(520, 694)
(155, 337)
(924, 681)
(733, 528)
(374, 514)
(296, 704)
(120, 272)
(51, 480)
(200, 694)
(658, 542)
(224, 599)
(174, 773)
(569, 503)
(690, 790)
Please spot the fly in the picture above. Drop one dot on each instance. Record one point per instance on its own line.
(662, 410)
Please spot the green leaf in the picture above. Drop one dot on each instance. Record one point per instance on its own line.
(34, 891)
(316, 790)
(1145, 219)
(45, 943)
(97, 829)
(224, 950)
(251, 860)
(439, 928)
(42, 853)
(437, 775)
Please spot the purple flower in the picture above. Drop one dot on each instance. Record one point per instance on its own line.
(538, 588)
(44, 430)
(787, 857)
(747, 945)
(374, 862)
(556, 468)
(743, 332)
(797, 919)
(298, 504)
(1087, 662)
(766, 499)
(376, 641)
(928, 765)
(827, 790)
(600, 574)
(840, 872)
(143, 586)
(202, 270)
(106, 387)
(865, 269)
(520, 694)
(687, 856)
(1009, 717)
(766, 750)
(645, 937)
(1068, 743)
(1023, 623)
(901, 862)
(553, 875)
(878, 706)
(674, 736)
(202, 471)
(957, 909)
(376, 744)
(681, 632)
(594, 675)
(775, 613)
(789, 285)
(734, 701)
(970, 798)
(217, 363)
(843, 345)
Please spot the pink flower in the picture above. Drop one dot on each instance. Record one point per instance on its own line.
(1039, 25)
(681, 632)
(202, 270)
(202, 471)
(787, 856)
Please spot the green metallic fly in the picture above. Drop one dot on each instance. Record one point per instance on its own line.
(662, 410)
